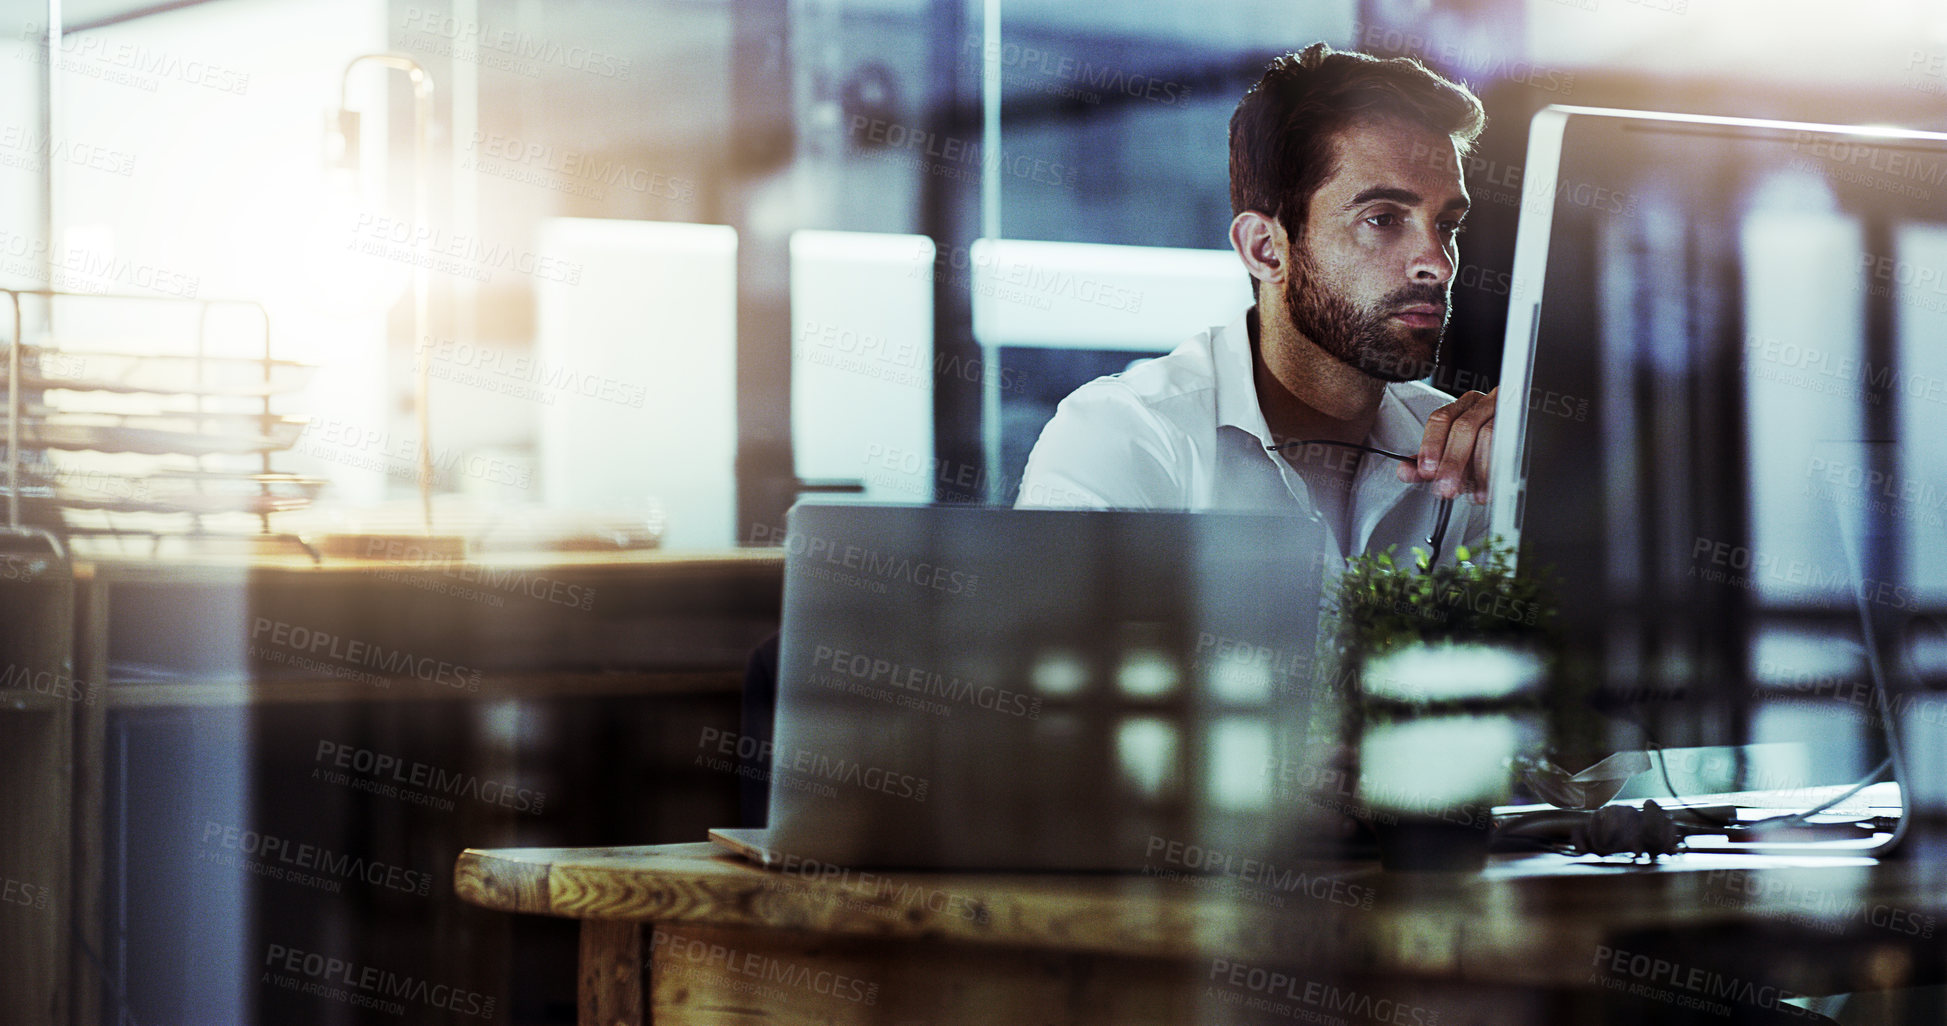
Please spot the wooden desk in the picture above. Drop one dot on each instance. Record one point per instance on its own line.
(682, 934)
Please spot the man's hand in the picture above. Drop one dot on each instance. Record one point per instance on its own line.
(1454, 453)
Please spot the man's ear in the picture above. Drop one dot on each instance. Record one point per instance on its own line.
(1261, 243)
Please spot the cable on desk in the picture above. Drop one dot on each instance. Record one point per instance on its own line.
(1790, 819)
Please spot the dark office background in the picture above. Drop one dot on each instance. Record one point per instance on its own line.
(753, 104)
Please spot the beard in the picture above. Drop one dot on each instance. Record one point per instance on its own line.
(1365, 339)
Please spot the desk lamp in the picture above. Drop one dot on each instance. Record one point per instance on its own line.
(345, 155)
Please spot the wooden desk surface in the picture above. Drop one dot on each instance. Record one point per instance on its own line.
(1826, 925)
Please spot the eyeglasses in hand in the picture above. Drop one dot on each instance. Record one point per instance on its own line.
(1442, 511)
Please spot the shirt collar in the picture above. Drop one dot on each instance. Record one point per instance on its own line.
(1394, 429)
(1237, 404)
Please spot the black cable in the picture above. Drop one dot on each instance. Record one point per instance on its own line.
(1790, 819)
(1441, 514)
(1866, 781)
(1663, 766)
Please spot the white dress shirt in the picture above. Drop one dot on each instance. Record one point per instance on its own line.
(1185, 432)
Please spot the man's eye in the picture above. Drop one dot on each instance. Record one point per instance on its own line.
(1383, 220)
(1453, 228)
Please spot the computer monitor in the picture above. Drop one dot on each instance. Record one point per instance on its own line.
(1703, 311)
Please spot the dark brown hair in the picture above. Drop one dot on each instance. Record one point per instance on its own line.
(1284, 133)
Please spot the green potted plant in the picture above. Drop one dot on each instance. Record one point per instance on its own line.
(1449, 665)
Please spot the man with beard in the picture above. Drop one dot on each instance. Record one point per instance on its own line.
(1349, 232)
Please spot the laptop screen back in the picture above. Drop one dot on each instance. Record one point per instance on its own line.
(982, 687)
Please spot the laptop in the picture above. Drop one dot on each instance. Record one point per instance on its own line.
(997, 689)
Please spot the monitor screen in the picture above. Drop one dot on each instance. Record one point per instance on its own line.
(1725, 343)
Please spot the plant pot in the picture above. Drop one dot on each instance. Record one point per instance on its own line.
(1429, 844)
(1438, 727)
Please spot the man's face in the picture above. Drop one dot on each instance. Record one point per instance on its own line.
(1373, 271)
